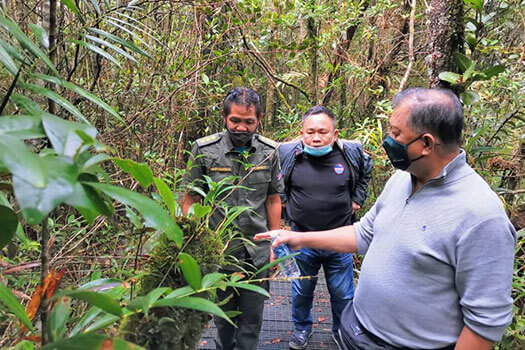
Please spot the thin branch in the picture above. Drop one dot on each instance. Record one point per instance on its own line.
(410, 45)
(515, 113)
(10, 91)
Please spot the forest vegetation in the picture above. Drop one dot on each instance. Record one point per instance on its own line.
(102, 99)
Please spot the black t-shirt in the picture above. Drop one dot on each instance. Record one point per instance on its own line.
(319, 195)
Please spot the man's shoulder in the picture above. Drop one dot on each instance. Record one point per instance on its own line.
(266, 141)
(209, 140)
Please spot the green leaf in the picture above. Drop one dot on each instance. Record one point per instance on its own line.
(97, 299)
(193, 303)
(91, 341)
(37, 202)
(200, 210)
(140, 171)
(16, 157)
(144, 303)
(468, 73)
(180, 292)
(111, 46)
(8, 225)
(61, 101)
(98, 51)
(56, 323)
(105, 283)
(97, 158)
(247, 286)
(101, 322)
(450, 77)
(73, 7)
(476, 135)
(134, 218)
(22, 126)
(26, 105)
(88, 202)
(81, 92)
(212, 278)
(493, 71)
(190, 270)
(461, 61)
(154, 215)
(14, 306)
(63, 136)
(166, 195)
(96, 7)
(8, 62)
(40, 34)
(469, 97)
(13, 53)
(26, 43)
(275, 262)
(476, 4)
(125, 43)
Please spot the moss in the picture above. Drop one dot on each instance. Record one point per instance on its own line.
(174, 328)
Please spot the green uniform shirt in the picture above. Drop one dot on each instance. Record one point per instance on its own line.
(257, 169)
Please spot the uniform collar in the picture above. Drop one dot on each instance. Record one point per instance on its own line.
(251, 146)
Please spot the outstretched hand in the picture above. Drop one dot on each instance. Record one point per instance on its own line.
(281, 237)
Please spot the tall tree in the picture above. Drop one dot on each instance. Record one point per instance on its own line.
(445, 33)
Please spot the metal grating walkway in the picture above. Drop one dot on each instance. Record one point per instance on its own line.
(277, 322)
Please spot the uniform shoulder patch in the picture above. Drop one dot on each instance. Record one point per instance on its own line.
(267, 141)
(208, 140)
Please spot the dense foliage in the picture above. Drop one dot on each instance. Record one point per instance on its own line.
(101, 99)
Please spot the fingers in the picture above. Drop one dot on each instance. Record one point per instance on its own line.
(263, 235)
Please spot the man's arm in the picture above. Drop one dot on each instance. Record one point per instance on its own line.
(468, 340)
(273, 211)
(341, 240)
(188, 202)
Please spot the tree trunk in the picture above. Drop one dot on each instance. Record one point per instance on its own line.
(445, 33)
(312, 35)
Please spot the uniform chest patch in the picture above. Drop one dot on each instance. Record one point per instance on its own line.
(339, 168)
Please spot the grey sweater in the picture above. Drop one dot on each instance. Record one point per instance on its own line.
(436, 260)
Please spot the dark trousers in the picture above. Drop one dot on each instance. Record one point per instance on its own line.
(246, 336)
(355, 337)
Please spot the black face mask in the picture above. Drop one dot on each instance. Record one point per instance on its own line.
(240, 138)
(397, 152)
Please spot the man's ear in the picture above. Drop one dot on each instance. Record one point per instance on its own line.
(336, 134)
(429, 142)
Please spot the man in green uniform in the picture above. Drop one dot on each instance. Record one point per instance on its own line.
(254, 160)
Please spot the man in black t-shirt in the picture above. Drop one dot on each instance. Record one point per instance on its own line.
(322, 175)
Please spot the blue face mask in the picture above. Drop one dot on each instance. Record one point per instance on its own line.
(317, 151)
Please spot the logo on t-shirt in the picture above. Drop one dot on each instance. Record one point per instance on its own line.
(339, 168)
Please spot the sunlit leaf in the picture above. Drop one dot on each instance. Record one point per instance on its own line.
(200, 210)
(166, 195)
(14, 306)
(140, 171)
(154, 215)
(111, 46)
(212, 278)
(125, 43)
(190, 270)
(476, 4)
(450, 77)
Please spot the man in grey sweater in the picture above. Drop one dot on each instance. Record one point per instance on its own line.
(439, 247)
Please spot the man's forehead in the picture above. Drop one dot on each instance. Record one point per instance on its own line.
(317, 120)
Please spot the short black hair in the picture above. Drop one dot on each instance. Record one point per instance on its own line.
(320, 110)
(437, 111)
(243, 96)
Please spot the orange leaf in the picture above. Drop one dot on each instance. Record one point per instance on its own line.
(54, 283)
(107, 345)
(36, 299)
(35, 338)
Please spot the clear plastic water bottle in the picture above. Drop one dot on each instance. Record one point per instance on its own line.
(289, 266)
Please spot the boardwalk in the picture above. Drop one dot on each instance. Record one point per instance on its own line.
(277, 326)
